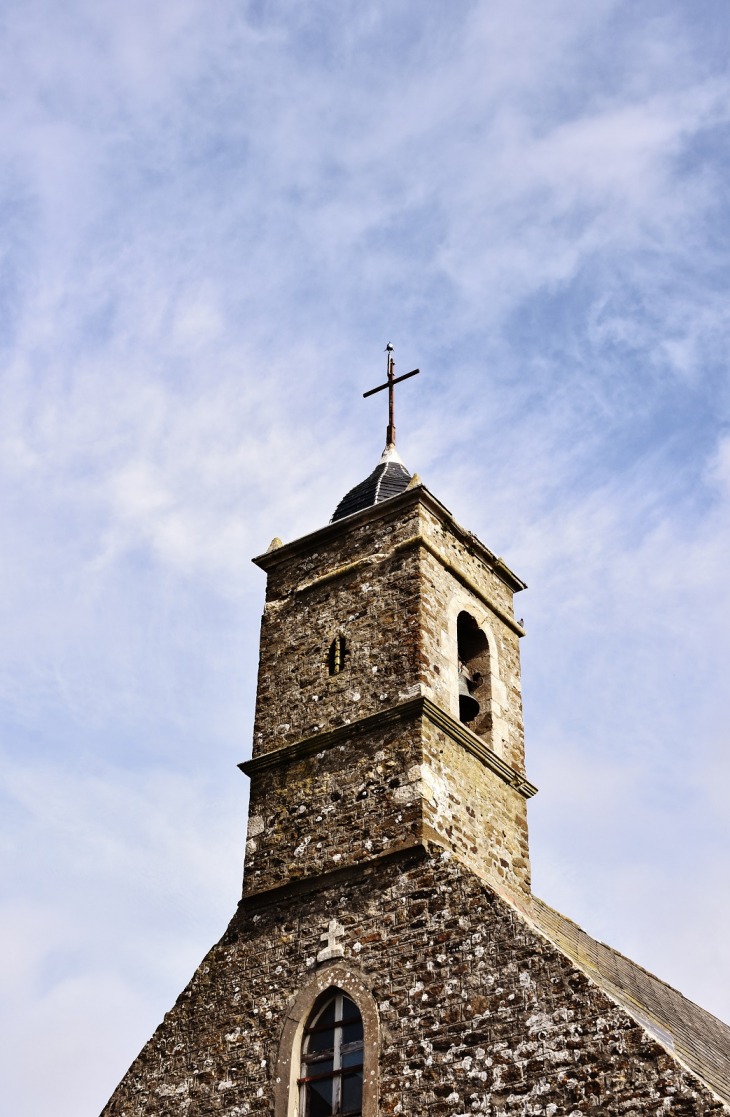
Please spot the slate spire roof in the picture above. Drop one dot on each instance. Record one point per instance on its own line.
(389, 478)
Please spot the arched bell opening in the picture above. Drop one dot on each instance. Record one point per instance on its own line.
(474, 674)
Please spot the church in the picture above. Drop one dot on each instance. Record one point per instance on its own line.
(388, 955)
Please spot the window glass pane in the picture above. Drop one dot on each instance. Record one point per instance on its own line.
(351, 1093)
(319, 1098)
(325, 1017)
(352, 1032)
(351, 1059)
(321, 1041)
(322, 1066)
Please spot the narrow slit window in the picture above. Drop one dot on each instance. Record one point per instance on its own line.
(337, 653)
(332, 1059)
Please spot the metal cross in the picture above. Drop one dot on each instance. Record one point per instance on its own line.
(390, 437)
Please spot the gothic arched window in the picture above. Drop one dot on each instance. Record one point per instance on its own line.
(332, 1057)
(474, 675)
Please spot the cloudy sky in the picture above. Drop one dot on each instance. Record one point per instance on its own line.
(214, 217)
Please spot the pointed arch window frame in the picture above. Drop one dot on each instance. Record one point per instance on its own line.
(348, 980)
(332, 1055)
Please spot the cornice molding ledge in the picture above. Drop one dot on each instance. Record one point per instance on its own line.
(476, 746)
(405, 501)
(412, 542)
(406, 711)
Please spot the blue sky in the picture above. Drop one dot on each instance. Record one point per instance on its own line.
(214, 217)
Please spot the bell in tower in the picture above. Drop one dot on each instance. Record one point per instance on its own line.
(387, 956)
(468, 705)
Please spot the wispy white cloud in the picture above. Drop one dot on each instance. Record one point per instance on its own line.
(214, 219)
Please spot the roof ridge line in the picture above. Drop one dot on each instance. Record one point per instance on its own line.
(618, 953)
(379, 481)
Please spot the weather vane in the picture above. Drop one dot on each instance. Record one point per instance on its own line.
(390, 382)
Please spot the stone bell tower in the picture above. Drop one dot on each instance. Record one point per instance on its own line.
(387, 955)
(372, 625)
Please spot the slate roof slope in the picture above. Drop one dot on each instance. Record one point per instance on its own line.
(389, 478)
(696, 1037)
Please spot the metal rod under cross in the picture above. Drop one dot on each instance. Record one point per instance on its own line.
(390, 436)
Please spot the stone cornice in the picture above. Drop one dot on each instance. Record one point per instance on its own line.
(407, 711)
(476, 746)
(351, 568)
(395, 504)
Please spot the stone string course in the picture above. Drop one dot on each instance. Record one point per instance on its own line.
(479, 1013)
(360, 799)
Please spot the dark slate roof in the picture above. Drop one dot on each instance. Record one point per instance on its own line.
(389, 478)
(697, 1038)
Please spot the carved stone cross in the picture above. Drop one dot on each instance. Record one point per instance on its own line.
(333, 949)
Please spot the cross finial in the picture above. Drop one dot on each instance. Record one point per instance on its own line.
(392, 379)
(333, 949)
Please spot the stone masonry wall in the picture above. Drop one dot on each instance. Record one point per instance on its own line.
(479, 1014)
(397, 610)
(443, 598)
(338, 807)
(374, 791)
(482, 818)
(377, 608)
